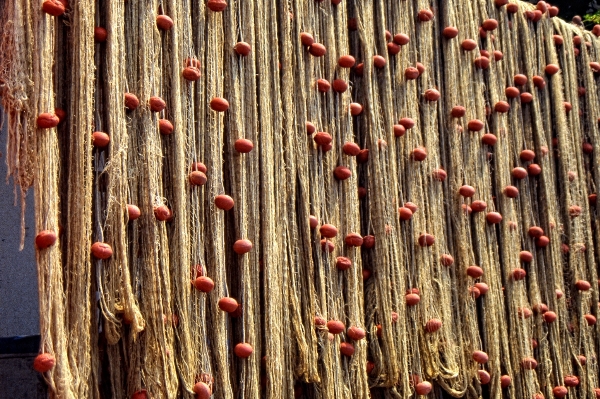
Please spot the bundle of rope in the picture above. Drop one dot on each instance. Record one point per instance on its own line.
(311, 199)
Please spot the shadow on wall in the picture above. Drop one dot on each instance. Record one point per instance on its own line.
(17, 377)
(19, 314)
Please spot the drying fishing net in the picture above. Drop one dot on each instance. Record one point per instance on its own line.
(311, 199)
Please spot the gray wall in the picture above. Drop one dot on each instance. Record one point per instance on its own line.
(18, 276)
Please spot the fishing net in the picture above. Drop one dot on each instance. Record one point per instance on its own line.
(310, 199)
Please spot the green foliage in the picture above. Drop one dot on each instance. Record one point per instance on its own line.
(592, 19)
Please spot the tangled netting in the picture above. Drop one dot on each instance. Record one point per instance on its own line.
(310, 199)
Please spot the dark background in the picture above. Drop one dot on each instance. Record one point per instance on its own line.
(569, 8)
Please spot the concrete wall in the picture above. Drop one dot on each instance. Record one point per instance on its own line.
(18, 380)
(18, 277)
(19, 313)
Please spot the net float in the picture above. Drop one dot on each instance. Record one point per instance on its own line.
(466, 191)
(165, 127)
(512, 8)
(353, 240)
(489, 139)
(317, 49)
(45, 239)
(306, 39)
(529, 363)
(224, 202)
(446, 260)
(55, 8)
(328, 231)
(432, 95)
(469, 44)
(243, 146)
(101, 250)
(412, 206)
(162, 213)
(426, 240)
(340, 85)
(590, 319)
(582, 285)
(243, 350)
(343, 263)
(539, 82)
(351, 149)
(133, 212)
(419, 154)
(100, 34)
(482, 62)
(526, 98)
(335, 326)
(519, 274)
(197, 178)
(401, 39)
(131, 101)
(478, 206)
(474, 271)
(525, 256)
(423, 388)
(412, 299)
(368, 241)
(542, 241)
(493, 217)
(458, 111)
(519, 173)
(412, 73)
(560, 391)
(204, 284)
(164, 22)
(405, 213)
(355, 109)
(512, 92)
(100, 139)
(475, 125)
(216, 5)
(156, 104)
(327, 246)
(347, 349)
(242, 246)
(242, 48)
(502, 107)
(346, 61)
(433, 325)
(571, 381)
(356, 333)
(44, 362)
(219, 104)
(202, 390)
(323, 85)
(47, 120)
(393, 48)
(439, 174)
(489, 24)
(322, 138)
(450, 32)
(552, 69)
(482, 287)
(378, 61)
(191, 74)
(425, 15)
(228, 304)
(484, 377)
(550, 317)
